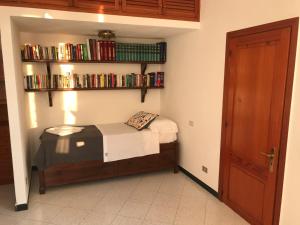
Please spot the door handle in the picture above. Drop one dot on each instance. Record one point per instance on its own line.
(271, 157)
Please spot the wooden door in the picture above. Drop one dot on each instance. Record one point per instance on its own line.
(48, 2)
(255, 114)
(6, 170)
(98, 6)
(182, 9)
(144, 7)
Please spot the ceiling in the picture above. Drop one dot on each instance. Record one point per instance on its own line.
(42, 25)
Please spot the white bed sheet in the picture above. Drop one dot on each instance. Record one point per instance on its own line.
(121, 141)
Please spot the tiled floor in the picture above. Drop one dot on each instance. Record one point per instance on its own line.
(153, 199)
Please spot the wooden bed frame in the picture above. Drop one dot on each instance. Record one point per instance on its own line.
(94, 170)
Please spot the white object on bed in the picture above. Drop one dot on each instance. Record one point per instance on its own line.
(64, 130)
(166, 128)
(121, 141)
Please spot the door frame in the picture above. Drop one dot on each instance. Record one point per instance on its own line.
(289, 23)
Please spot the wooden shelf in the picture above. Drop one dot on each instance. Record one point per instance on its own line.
(88, 89)
(90, 61)
(143, 65)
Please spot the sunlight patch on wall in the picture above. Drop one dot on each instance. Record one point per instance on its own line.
(70, 107)
(48, 16)
(101, 18)
(29, 69)
(32, 110)
(66, 69)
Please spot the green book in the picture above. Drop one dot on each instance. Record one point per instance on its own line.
(85, 52)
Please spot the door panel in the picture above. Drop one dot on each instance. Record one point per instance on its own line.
(49, 2)
(142, 6)
(6, 169)
(181, 8)
(98, 5)
(257, 74)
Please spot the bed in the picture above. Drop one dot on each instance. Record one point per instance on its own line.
(121, 150)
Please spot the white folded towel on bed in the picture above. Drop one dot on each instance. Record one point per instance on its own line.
(64, 130)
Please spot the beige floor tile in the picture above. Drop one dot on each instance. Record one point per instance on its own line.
(121, 220)
(188, 216)
(173, 184)
(41, 212)
(146, 222)
(134, 210)
(192, 189)
(166, 200)
(7, 204)
(98, 219)
(142, 196)
(150, 183)
(69, 216)
(60, 197)
(33, 222)
(110, 204)
(5, 220)
(193, 202)
(219, 214)
(161, 214)
(161, 198)
(85, 202)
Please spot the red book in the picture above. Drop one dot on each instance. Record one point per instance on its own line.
(109, 52)
(78, 53)
(93, 80)
(101, 50)
(105, 55)
(112, 80)
(114, 51)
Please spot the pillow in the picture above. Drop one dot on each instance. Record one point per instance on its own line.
(141, 120)
(164, 125)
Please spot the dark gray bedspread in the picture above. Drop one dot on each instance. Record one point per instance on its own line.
(55, 149)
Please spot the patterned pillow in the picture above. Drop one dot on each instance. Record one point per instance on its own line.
(141, 120)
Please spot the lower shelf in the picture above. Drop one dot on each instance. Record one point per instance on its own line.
(50, 90)
(88, 89)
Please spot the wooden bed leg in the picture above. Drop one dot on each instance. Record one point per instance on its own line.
(176, 169)
(42, 188)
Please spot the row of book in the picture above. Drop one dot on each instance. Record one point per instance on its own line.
(97, 50)
(141, 52)
(111, 80)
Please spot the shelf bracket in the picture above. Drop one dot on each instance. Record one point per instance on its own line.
(144, 89)
(50, 98)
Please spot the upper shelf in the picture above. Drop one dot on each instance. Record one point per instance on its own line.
(90, 61)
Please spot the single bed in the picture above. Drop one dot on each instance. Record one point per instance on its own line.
(123, 151)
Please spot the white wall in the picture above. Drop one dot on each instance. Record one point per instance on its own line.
(93, 111)
(16, 108)
(194, 89)
(83, 107)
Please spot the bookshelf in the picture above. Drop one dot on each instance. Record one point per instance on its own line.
(48, 63)
(96, 52)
